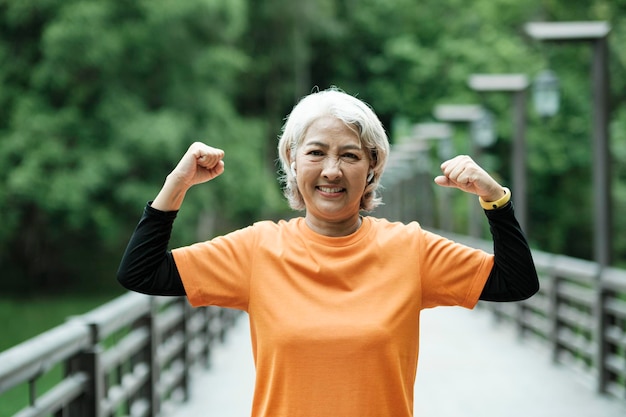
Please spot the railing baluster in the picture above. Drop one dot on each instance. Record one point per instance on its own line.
(186, 354)
(602, 345)
(150, 391)
(89, 403)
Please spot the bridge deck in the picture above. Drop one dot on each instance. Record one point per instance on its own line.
(469, 367)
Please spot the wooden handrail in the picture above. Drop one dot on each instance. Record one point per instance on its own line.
(134, 353)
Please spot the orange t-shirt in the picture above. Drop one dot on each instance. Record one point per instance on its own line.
(334, 320)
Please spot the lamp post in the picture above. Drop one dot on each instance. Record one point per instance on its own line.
(398, 172)
(596, 34)
(401, 181)
(442, 134)
(517, 85)
(458, 113)
(463, 113)
(481, 125)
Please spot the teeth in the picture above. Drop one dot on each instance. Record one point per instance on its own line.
(330, 190)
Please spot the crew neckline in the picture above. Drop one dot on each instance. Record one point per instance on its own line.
(359, 234)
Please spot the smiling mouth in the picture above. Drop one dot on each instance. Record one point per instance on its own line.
(330, 190)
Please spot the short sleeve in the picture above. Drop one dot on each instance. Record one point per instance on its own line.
(217, 272)
(452, 274)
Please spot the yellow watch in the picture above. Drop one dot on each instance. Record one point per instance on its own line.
(492, 205)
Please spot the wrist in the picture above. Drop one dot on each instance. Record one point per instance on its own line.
(176, 182)
(171, 195)
(497, 202)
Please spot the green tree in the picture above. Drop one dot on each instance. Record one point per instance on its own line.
(101, 98)
(404, 58)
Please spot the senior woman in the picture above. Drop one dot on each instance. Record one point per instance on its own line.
(333, 297)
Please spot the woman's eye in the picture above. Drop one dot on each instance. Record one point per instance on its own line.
(350, 156)
(316, 153)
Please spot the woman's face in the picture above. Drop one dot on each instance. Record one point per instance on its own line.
(332, 167)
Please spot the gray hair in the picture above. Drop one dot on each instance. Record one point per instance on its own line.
(354, 113)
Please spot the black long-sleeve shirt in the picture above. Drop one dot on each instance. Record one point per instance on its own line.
(148, 266)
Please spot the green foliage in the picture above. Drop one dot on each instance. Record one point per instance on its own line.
(102, 100)
(99, 98)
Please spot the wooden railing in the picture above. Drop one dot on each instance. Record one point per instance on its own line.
(130, 357)
(579, 314)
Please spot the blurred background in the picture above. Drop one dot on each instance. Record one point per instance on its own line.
(100, 98)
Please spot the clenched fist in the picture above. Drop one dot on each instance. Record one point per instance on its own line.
(463, 173)
(201, 163)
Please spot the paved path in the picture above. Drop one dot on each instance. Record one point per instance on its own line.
(469, 367)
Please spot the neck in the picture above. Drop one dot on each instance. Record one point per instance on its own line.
(337, 229)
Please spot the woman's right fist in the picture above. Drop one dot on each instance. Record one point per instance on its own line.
(201, 163)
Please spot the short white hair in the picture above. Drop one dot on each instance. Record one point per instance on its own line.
(354, 113)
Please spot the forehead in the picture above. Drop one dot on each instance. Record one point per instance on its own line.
(330, 130)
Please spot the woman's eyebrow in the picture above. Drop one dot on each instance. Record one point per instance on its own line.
(316, 143)
(350, 146)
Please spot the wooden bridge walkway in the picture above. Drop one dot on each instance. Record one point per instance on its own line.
(470, 366)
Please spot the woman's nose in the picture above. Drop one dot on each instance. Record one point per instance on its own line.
(332, 168)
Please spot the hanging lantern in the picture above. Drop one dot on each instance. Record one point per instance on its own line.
(546, 94)
(482, 130)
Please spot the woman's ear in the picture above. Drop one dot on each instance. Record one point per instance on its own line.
(293, 169)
